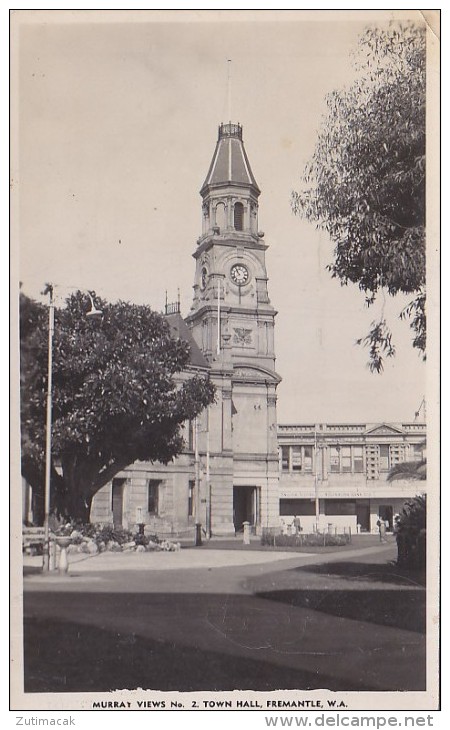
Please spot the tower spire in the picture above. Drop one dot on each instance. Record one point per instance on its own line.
(229, 89)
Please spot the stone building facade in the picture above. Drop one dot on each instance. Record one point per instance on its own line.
(336, 474)
(229, 473)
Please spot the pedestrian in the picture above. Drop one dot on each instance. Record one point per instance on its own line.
(297, 526)
(395, 523)
(382, 530)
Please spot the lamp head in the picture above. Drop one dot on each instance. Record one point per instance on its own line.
(93, 313)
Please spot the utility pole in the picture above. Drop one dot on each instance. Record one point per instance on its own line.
(198, 524)
(316, 480)
(208, 485)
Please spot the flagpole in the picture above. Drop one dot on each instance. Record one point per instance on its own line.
(218, 316)
(198, 522)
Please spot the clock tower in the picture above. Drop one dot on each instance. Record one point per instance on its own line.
(232, 321)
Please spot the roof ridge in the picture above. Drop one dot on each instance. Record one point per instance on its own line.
(181, 330)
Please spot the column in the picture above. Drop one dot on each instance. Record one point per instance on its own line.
(324, 462)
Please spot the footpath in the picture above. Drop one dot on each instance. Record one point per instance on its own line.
(210, 557)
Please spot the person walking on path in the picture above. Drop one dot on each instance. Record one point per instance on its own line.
(382, 530)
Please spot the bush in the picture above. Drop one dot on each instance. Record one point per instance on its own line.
(314, 539)
(145, 540)
(109, 533)
(98, 537)
(109, 537)
(411, 533)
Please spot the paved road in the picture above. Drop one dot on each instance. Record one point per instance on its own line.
(222, 620)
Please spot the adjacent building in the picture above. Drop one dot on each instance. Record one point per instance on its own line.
(335, 475)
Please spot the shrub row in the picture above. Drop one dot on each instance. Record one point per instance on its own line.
(314, 539)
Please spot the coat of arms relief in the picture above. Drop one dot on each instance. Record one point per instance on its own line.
(242, 336)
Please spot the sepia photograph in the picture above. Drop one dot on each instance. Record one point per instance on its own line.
(225, 398)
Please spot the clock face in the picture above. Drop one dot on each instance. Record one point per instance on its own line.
(204, 278)
(239, 274)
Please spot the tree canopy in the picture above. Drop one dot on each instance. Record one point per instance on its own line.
(365, 182)
(118, 395)
(415, 470)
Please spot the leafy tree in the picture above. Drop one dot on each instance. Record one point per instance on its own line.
(120, 393)
(365, 183)
(410, 526)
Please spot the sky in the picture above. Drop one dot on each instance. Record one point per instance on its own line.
(117, 118)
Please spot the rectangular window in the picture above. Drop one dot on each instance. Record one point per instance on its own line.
(285, 458)
(153, 496)
(117, 491)
(238, 216)
(334, 459)
(190, 439)
(307, 462)
(340, 507)
(384, 457)
(296, 458)
(346, 459)
(358, 462)
(191, 488)
(300, 507)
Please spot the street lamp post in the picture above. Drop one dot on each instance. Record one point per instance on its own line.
(93, 313)
(48, 428)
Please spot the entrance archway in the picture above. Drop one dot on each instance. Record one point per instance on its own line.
(246, 506)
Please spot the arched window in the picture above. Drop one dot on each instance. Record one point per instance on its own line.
(238, 216)
(220, 216)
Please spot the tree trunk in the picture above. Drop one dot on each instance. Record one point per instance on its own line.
(76, 498)
(80, 482)
(38, 507)
(78, 505)
(76, 493)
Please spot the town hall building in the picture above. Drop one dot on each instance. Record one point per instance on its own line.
(230, 473)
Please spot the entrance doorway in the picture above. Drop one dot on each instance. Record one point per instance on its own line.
(117, 501)
(386, 513)
(245, 507)
(363, 514)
